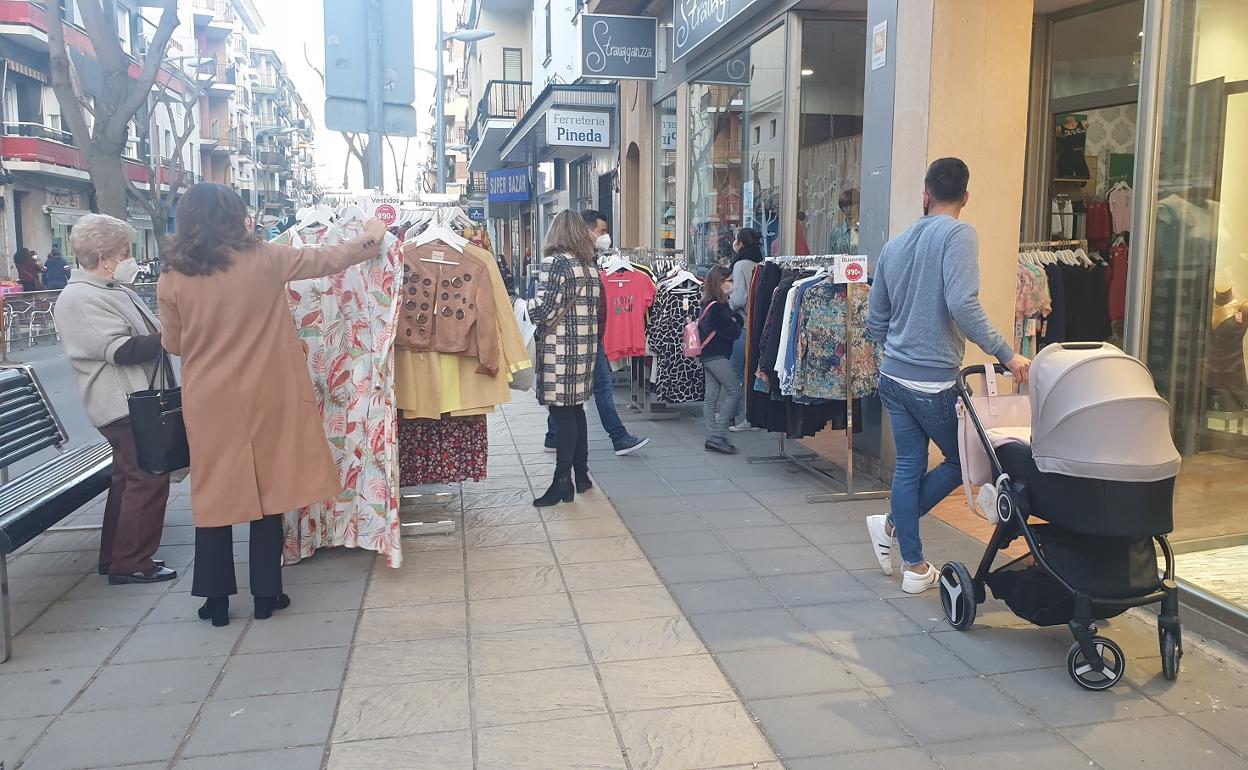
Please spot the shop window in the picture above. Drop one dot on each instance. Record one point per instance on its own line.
(829, 164)
(1197, 318)
(665, 175)
(1098, 51)
(732, 181)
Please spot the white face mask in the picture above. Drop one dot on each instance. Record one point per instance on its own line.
(126, 271)
(603, 242)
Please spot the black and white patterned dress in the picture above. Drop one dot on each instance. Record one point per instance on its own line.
(678, 378)
(566, 314)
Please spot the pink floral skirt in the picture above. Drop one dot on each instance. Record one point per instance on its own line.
(442, 451)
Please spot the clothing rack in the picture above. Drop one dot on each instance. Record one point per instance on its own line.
(1083, 244)
(803, 460)
(660, 261)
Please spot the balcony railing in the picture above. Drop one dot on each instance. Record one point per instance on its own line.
(476, 187)
(266, 81)
(272, 158)
(39, 131)
(502, 99)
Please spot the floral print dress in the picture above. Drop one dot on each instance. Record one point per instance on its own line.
(348, 322)
(823, 336)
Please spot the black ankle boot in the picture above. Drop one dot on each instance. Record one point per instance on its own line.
(583, 484)
(217, 610)
(266, 604)
(561, 489)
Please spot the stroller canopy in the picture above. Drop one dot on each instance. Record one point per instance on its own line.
(1096, 414)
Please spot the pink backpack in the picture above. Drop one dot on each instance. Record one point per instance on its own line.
(693, 339)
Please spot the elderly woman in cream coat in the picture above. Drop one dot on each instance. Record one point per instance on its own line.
(112, 341)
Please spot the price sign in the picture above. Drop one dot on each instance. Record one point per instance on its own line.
(383, 207)
(387, 213)
(851, 269)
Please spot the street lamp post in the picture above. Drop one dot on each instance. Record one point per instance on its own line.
(465, 36)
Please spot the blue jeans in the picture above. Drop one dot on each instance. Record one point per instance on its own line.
(737, 359)
(604, 398)
(916, 419)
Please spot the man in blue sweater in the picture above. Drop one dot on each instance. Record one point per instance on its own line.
(924, 306)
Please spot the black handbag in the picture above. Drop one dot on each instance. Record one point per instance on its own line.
(156, 419)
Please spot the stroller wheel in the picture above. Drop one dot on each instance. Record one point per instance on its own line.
(1171, 652)
(1092, 675)
(957, 595)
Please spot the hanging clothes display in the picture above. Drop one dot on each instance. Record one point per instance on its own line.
(677, 377)
(347, 321)
(1062, 295)
(455, 365)
(629, 294)
(797, 349)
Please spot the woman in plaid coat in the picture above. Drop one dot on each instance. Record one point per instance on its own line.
(567, 316)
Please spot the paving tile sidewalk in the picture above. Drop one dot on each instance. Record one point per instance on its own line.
(841, 669)
(699, 615)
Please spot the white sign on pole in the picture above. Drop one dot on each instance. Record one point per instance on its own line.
(667, 132)
(577, 128)
(850, 269)
(879, 45)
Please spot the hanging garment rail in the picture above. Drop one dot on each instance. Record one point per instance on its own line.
(849, 490)
(1051, 244)
(660, 261)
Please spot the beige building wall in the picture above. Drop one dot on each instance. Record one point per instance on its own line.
(963, 76)
(636, 225)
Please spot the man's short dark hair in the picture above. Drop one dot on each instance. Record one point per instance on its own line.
(591, 217)
(946, 180)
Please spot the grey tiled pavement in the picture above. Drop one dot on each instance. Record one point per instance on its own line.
(698, 615)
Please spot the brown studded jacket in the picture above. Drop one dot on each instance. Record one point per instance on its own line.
(448, 308)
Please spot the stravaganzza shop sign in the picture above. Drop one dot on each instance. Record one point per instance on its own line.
(697, 20)
(619, 47)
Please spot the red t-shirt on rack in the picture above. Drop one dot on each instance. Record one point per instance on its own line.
(628, 295)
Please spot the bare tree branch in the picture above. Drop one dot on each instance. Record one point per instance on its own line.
(142, 85)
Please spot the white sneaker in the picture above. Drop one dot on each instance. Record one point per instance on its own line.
(881, 543)
(917, 583)
(742, 427)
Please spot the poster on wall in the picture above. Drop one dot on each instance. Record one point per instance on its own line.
(879, 45)
(1070, 153)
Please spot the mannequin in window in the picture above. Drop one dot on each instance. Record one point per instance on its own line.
(1072, 143)
(1225, 376)
(844, 236)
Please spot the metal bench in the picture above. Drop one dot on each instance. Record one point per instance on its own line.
(36, 500)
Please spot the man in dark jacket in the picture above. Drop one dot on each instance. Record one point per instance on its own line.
(56, 270)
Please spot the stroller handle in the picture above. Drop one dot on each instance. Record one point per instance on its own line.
(965, 393)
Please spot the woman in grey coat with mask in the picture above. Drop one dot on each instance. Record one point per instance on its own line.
(112, 341)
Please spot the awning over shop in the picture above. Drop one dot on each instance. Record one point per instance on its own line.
(64, 216)
(527, 142)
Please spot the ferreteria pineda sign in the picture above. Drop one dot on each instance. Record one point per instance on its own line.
(619, 47)
(697, 20)
(577, 128)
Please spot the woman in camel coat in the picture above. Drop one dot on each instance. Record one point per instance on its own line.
(257, 445)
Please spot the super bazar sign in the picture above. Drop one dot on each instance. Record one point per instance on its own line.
(507, 185)
(574, 128)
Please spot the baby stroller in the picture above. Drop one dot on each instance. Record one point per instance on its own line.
(1093, 458)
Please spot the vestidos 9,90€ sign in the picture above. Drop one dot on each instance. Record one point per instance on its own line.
(571, 128)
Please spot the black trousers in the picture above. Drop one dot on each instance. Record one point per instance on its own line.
(571, 440)
(214, 560)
